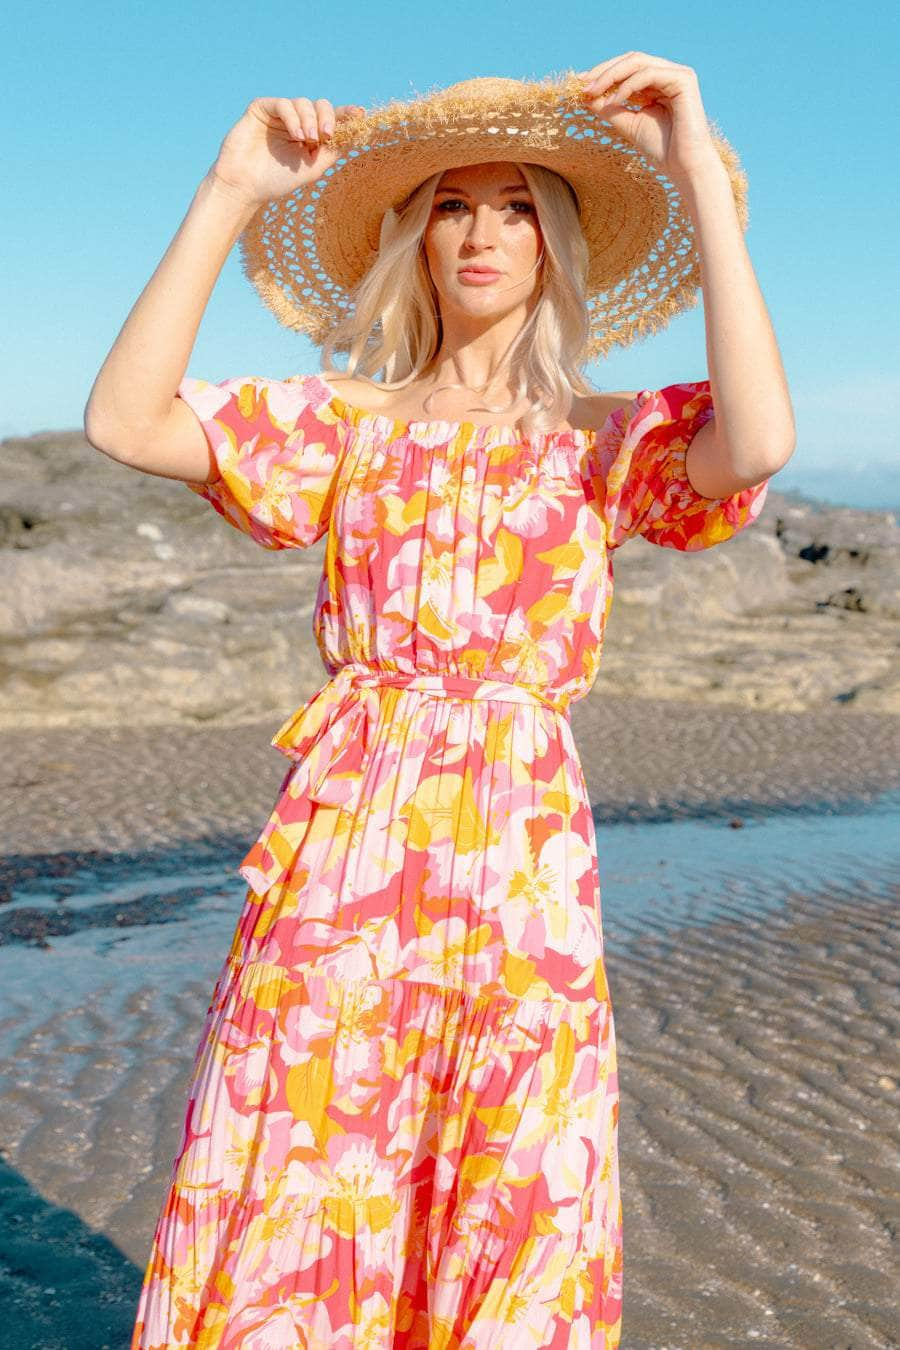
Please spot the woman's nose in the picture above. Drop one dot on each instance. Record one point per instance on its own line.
(481, 230)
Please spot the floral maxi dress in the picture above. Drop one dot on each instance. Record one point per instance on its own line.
(402, 1123)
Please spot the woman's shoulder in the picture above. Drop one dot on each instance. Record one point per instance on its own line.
(364, 392)
(589, 411)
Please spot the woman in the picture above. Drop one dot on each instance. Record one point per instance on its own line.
(402, 1120)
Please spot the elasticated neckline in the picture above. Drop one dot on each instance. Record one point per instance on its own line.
(440, 429)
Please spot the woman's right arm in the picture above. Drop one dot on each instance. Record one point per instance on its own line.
(133, 414)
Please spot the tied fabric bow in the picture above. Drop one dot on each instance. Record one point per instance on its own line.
(330, 734)
(332, 731)
(327, 737)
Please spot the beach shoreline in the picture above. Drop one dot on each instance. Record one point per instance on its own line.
(758, 1093)
(123, 787)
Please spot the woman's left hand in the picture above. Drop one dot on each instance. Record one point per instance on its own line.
(671, 127)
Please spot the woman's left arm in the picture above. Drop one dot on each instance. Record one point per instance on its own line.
(752, 433)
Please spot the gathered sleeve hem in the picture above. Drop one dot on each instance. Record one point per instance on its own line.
(277, 446)
(639, 478)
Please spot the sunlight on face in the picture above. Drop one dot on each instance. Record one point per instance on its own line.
(483, 215)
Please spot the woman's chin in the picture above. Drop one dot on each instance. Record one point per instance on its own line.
(480, 301)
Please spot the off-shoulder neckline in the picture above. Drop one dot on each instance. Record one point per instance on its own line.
(490, 434)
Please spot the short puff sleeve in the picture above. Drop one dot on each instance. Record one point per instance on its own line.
(277, 444)
(639, 479)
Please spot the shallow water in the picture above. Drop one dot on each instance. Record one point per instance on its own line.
(665, 875)
(170, 916)
(755, 1127)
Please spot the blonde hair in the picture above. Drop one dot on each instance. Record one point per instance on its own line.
(394, 324)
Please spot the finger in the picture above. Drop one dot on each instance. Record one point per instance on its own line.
(626, 83)
(646, 86)
(606, 109)
(596, 72)
(292, 118)
(625, 89)
(325, 116)
(611, 80)
(287, 114)
(306, 115)
(617, 70)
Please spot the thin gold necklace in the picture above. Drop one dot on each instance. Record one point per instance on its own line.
(480, 407)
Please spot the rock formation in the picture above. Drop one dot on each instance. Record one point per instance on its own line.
(127, 600)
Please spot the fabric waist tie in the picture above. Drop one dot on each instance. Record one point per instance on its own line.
(335, 725)
(329, 736)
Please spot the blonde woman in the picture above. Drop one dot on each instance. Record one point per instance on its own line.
(402, 1122)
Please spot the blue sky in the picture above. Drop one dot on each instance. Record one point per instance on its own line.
(114, 113)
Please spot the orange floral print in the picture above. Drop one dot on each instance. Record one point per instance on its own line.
(402, 1123)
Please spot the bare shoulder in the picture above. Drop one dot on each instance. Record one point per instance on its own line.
(591, 411)
(588, 411)
(365, 393)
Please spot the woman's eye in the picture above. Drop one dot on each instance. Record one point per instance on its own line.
(455, 201)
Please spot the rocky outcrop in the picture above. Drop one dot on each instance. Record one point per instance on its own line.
(127, 600)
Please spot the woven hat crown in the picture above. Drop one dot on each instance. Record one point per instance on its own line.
(306, 252)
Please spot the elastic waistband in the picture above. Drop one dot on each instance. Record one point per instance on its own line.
(341, 713)
(458, 686)
(329, 737)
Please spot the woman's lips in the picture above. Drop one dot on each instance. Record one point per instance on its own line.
(471, 278)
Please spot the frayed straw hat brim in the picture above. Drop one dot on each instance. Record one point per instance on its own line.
(305, 252)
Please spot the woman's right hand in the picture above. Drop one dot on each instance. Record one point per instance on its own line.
(278, 145)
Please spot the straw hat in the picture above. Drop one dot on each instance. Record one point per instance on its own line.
(305, 252)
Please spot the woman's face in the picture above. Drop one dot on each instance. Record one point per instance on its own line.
(483, 216)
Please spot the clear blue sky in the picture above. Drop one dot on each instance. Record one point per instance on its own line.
(114, 113)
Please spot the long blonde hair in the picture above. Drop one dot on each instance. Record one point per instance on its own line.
(394, 324)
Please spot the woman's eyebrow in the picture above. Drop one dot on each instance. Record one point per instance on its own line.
(513, 187)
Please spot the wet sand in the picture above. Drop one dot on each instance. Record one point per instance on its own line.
(120, 787)
(757, 1041)
(759, 1081)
